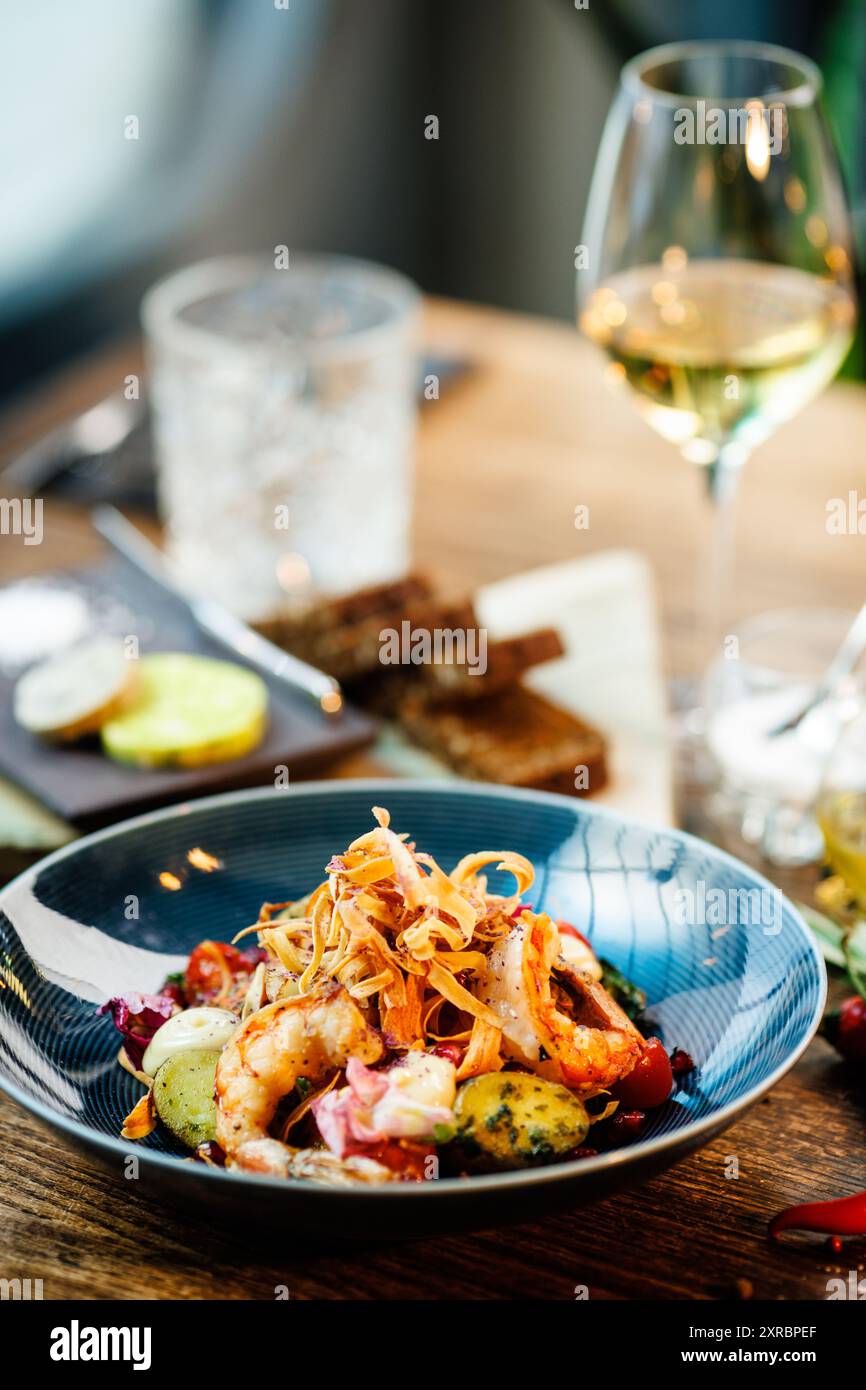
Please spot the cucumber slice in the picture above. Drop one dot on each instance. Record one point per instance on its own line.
(190, 711)
(183, 1094)
(74, 693)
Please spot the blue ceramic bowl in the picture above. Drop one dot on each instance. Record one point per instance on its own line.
(730, 970)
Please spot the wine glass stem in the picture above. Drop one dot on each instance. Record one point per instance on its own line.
(723, 478)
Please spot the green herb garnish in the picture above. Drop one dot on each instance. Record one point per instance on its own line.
(629, 996)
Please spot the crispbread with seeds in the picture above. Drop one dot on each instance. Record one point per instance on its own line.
(515, 736)
(350, 647)
(506, 662)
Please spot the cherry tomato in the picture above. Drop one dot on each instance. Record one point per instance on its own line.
(846, 1029)
(651, 1081)
(212, 970)
(568, 930)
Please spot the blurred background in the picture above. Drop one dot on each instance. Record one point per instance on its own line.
(138, 138)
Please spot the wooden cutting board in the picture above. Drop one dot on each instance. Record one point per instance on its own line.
(88, 789)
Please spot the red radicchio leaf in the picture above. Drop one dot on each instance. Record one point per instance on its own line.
(137, 1017)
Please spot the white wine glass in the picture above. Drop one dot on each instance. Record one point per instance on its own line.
(719, 258)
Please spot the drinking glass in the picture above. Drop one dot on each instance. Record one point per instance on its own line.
(765, 783)
(283, 407)
(719, 254)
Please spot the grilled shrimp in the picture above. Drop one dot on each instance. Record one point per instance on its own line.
(588, 1052)
(276, 1160)
(304, 1036)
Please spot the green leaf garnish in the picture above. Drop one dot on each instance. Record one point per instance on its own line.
(628, 995)
(855, 956)
(829, 935)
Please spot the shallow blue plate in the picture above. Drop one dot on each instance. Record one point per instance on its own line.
(730, 970)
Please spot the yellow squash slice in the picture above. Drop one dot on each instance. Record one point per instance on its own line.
(74, 693)
(190, 711)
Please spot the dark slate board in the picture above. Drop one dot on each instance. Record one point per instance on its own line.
(85, 787)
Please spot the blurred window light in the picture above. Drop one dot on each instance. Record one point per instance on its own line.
(122, 123)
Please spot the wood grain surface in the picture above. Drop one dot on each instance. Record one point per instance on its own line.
(504, 458)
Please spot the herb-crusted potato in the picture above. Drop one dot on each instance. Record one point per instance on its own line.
(513, 1120)
(183, 1093)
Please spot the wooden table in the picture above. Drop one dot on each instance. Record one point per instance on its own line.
(504, 458)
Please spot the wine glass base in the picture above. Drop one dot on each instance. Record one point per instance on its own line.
(784, 842)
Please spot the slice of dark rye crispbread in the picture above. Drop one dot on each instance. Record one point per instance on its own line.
(360, 650)
(505, 662)
(485, 726)
(383, 691)
(308, 623)
(344, 636)
(514, 736)
(349, 640)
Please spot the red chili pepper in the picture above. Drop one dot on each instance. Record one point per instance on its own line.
(846, 1216)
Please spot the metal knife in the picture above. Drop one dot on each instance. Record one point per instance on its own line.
(214, 619)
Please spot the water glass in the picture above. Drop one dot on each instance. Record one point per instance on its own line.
(767, 783)
(283, 400)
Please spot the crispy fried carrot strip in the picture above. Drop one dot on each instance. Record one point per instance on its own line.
(482, 1054)
(402, 1020)
(453, 991)
(141, 1119)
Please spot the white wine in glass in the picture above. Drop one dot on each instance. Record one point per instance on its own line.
(719, 279)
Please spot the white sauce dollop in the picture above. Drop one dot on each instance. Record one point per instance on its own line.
(205, 1028)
